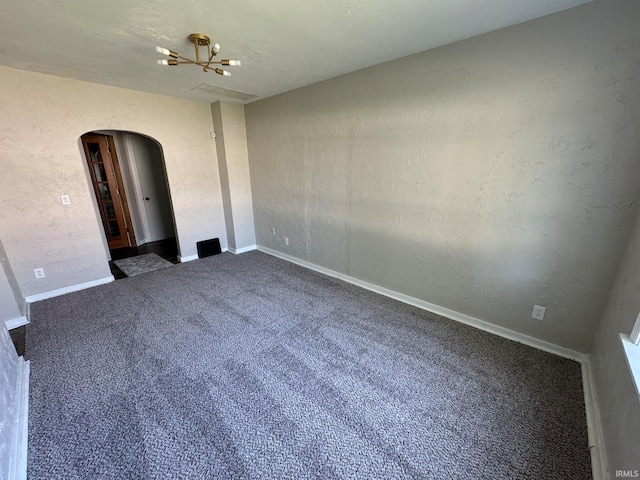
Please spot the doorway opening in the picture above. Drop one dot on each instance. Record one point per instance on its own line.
(132, 197)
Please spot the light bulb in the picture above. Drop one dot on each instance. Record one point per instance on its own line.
(163, 62)
(236, 63)
(219, 71)
(163, 51)
(216, 48)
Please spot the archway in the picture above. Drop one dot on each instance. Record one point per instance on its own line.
(137, 214)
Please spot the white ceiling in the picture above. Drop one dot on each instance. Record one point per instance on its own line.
(283, 44)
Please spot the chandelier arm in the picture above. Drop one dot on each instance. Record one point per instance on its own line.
(210, 53)
(188, 60)
(198, 40)
(205, 66)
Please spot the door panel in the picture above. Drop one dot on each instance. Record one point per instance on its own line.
(153, 186)
(109, 191)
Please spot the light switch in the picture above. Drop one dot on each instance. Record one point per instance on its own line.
(65, 200)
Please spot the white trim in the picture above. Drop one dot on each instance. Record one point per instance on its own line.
(594, 424)
(243, 249)
(634, 336)
(16, 322)
(224, 249)
(632, 355)
(18, 458)
(142, 241)
(445, 312)
(72, 288)
(132, 168)
(189, 258)
(592, 409)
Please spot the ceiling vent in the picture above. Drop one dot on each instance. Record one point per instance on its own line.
(223, 92)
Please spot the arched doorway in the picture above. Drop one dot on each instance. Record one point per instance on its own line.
(132, 196)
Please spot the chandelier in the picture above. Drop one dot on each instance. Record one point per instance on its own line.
(199, 40)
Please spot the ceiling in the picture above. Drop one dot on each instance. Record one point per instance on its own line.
(283, 44)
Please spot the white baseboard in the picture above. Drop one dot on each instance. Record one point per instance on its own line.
(599, 467)
(72, 288)
(238, 251)
(223, 249)
(430, 307)
(189, 258)
(594, 426)
(16, 322)
(18, 459)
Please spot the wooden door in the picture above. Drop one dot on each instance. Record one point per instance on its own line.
(108, 187)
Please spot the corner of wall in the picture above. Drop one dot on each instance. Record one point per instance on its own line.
(15, 398)
(617, 410)
(20, 301)
(597, 447)
(233, 164)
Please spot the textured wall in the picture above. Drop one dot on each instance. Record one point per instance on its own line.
(9, 307)
(231, 144)
(619, 403)
(9, 373)
(484, 176)
(41, 120)
(11, 302)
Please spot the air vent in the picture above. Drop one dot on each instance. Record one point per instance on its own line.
(223, 92)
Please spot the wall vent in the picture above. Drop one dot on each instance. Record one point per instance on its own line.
(206, 248)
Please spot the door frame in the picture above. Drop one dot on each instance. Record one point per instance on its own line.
(134, 185)
(121, 205)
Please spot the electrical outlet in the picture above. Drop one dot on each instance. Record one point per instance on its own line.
(273, 230)
(39, 272)
(286, 241)
(538, 312)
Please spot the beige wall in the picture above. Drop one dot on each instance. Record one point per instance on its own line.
(11, 300)
(484, 176)
(9, 308)
(41, 120)
(619, 403)
(233, 160)
(216, 115)
(12, 374)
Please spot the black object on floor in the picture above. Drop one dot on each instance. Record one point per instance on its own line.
(206, 248)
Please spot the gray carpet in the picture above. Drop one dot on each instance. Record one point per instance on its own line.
(250, 367)
(148, 262)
